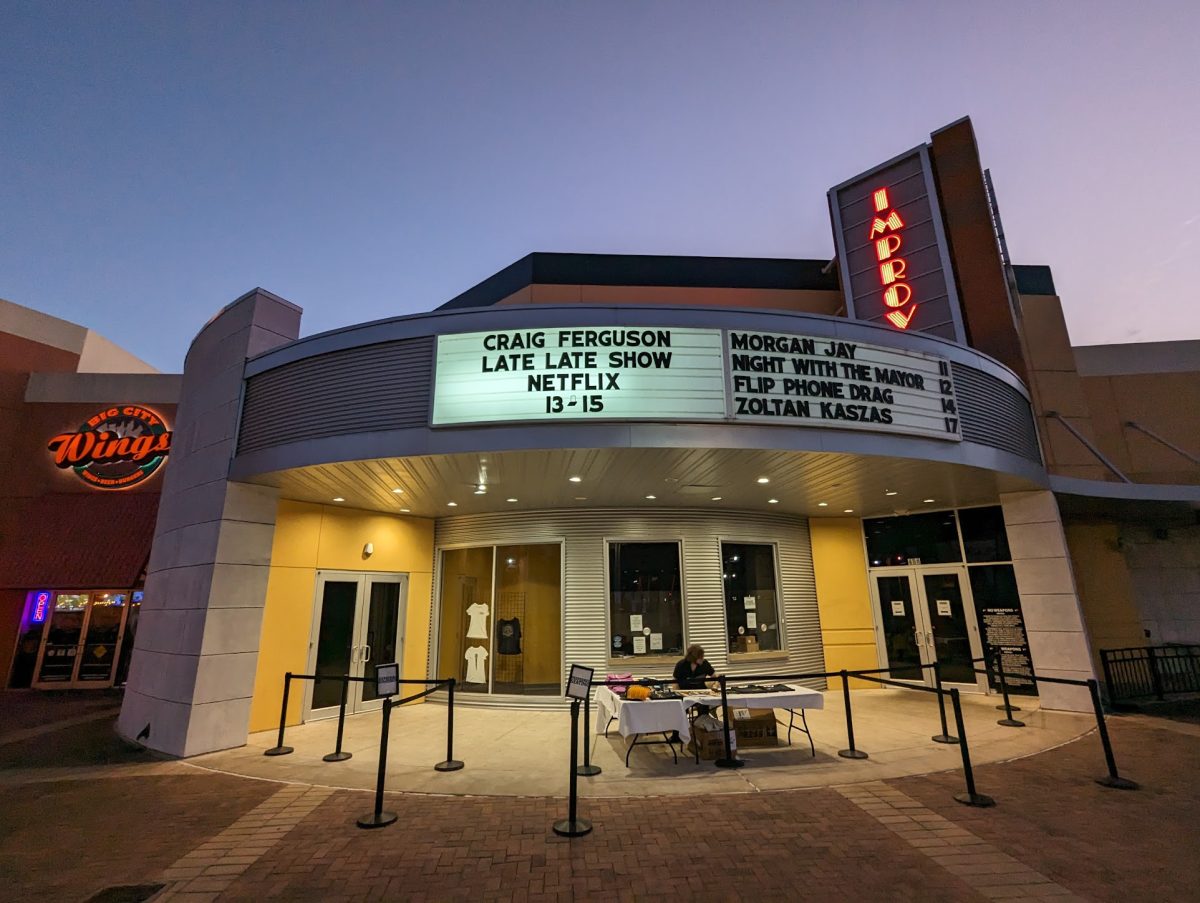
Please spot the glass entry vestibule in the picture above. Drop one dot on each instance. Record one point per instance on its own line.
(925, 615)
(358, 622)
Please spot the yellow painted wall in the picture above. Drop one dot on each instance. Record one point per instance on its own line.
(312, 537)
(843, 596)
(1105, 587)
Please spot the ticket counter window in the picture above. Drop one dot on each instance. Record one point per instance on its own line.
(751, 599)
(645, 600)
(500, 619)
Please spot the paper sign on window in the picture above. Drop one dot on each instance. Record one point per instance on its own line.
(750, 602)
(635, 623)
(639, 645)
(943, 607)
(656, 642)
(898, 607)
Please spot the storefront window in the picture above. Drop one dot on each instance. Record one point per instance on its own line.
(984, 537)
(751, 602)
(501, 619)
(526, 653)
(912, 539)
(645, 602)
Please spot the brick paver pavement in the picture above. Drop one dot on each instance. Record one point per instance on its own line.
(122, 820)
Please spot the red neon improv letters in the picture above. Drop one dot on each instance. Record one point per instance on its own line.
(886, 225)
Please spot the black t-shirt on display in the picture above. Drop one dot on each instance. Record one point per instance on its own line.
(509, 636)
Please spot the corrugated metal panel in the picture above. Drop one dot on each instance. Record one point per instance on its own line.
(994, 413)
(700, 532)
(367, 389)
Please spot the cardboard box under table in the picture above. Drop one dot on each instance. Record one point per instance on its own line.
(755, 728)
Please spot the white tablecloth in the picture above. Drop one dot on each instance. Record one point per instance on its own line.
(652, 716)
(648, 716)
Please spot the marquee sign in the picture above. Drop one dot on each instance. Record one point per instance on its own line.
(617, 373)
(892, 251)
(117, 448)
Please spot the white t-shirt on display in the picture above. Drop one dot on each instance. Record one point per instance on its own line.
(476, 672)
(477, 629)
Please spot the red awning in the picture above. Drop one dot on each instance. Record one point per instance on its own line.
(95, 540)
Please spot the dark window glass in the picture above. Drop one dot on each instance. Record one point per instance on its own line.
(983, 534)
(932, 538)
(644, 599)
(751, 602)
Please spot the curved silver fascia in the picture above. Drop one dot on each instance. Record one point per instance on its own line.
(365, 436)
(527, 437)
(531, 316)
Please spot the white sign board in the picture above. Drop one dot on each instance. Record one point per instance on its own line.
(573, 373)
(387, 679)
(579, 683)
(668, 373)
(809, 381)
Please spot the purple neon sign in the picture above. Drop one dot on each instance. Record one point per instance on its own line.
(41, 606)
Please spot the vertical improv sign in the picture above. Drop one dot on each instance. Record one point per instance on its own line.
(892, 250)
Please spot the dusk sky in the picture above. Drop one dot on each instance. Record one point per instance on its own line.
(366, 160)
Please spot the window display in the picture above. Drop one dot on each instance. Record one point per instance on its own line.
(751, 600)
(645, 599)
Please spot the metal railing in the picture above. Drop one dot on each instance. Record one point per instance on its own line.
(1150, 672)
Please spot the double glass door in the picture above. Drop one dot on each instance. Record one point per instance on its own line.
(358, 622)
(81, 642)
(924, 616)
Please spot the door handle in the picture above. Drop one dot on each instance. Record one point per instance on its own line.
(366, 653)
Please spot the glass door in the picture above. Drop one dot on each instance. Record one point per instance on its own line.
(924, 615)
(382, 634)
(358, 622)
(952, 638)
(82, 642)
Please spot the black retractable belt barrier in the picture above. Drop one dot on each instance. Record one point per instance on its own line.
(279, 749)
(378, 818)
(944, 736)
(587, 769)
(451, 763)
(572, 825)
(1008, 720)
(337, 755)
(852, 752)
(1112, 779)
(971, 797)
(730, 760)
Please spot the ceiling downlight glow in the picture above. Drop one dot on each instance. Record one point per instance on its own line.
(575, 479)
(764, 479)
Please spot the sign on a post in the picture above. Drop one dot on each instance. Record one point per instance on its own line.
(579, 683)
(387, 679)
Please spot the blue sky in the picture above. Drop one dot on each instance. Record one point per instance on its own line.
(367, 160)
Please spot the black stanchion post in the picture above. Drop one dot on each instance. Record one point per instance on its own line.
(1008, 707)
(451, 763)
(971, 797)
(573, 826)
(944, 736)
(852, 752)
(1008, 720)
(1112, 779)
(587, 769)
(378, 818)
(337, 755)
(730, 760)
(279, 749)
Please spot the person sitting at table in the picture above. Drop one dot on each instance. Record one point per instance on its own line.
(692, 669)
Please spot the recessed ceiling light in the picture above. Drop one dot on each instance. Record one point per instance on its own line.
(406, 510)
(847, 511)
(822, 504)
(452, 504)
(575, 479)
(928, 501)
(398, 491)
(481, 492)
(890, 492)
(339, 499)
(581, 498)
(510, 500)
(652, 496)
(717, 498)
(772, 501)
(764, 479)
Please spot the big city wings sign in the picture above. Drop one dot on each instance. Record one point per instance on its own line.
(116, 448)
